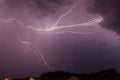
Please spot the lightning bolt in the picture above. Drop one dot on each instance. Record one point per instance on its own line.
(52, 28)
(11, 20)
(94, 21)
(35, 50)
(55, 27)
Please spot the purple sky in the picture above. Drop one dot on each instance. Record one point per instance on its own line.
(97, 48)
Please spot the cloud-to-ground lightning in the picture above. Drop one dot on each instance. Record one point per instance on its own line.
(35, 50)
(52, 28)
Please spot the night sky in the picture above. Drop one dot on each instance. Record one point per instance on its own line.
(26, 51)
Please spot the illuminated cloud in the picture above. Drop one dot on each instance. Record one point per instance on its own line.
(36, 8)
(110, 10)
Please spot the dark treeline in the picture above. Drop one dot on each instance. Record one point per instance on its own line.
(108, 74)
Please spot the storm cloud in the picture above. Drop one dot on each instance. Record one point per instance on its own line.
(67, 49)
(110, 11)
(38, 8)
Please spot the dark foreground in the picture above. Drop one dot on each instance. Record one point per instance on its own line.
(108, 74)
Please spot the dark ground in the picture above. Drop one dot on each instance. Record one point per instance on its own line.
(107, 74)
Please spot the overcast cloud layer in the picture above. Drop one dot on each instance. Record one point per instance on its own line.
(97, 49)
(110, 11)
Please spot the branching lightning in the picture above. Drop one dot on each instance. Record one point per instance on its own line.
(55, 27)
(52, 28)
(94, 21)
